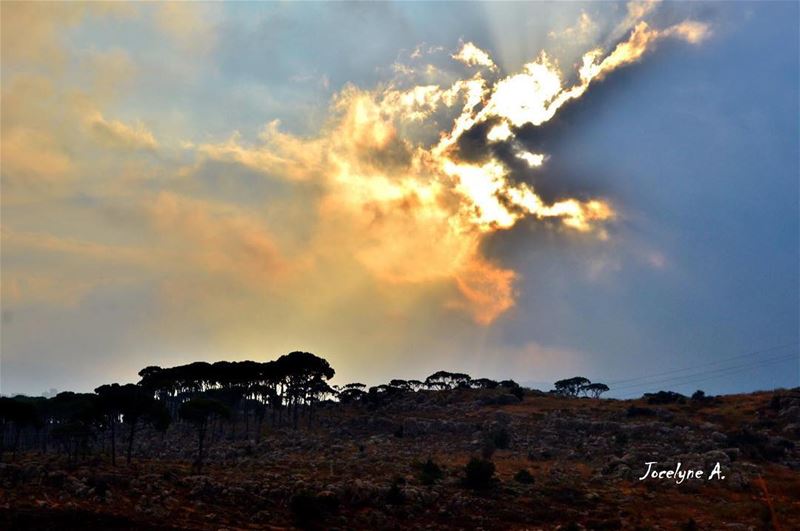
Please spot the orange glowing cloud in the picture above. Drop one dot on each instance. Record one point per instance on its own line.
(390, 192)
(412, 212)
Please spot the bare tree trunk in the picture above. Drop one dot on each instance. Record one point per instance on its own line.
(201, 435)
(16, 443)
(113, 444)
(130, 441)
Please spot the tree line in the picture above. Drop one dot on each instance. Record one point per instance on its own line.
(210, 397)
(199, 394)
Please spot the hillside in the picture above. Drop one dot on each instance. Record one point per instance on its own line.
(401, 464)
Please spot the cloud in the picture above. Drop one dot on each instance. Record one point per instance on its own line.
(188, 240)
(34, 156)
(189, 25)
(267, 158)
(408, 207)
(203, 237)
(391, 189)
(51, 93)
(583, 30)
(471, 55)
(488, 290)
(83, 266)
(120, 135)
(32, 32)
(387, 191)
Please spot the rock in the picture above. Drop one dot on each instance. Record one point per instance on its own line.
(792, 430)
(792, 414)
(719, 438)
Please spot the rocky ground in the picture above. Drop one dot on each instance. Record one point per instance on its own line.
(362, 468)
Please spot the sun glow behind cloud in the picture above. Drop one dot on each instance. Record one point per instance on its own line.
(251, 225)
(421, 212)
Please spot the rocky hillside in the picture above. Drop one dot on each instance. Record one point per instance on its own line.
(477, 459)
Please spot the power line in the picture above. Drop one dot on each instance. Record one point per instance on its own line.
(697, 380)
(709, 375)
(677, 379)
(709, 364)
(782, 357)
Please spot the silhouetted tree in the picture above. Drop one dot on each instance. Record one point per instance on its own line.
(571, 386)
(299, 370)
(483, 383)
(416, 385)
(513, 388)
(595, 389)
(199, 411)
(111, 404)
(352, 392)
(444, 380)
(21, 414)
(77, 417)
(699, 395)
(400, 384)
(137, 404)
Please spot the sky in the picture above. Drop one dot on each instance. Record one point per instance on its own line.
(513, 190)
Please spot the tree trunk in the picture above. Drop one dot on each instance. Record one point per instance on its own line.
(16, 443)
(113, 444)
(201, 435)
(130, 441)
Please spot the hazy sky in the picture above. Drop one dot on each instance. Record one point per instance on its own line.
(514, 190)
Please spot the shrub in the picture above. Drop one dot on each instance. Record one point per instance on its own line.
(488, 448)
(478, 474)
(429, 472)
(755, 445)
(308, 508)
(699, 395)
(523, 476)
(636, 411)
(395, 495)
(500, 437)
(665, 397)
(690, 524)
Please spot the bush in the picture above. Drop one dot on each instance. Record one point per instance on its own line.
(395, 495)
(523, 476)
(690, 524)
(755, 445)
(699, 395)
(519, 392)
(308, 508)
(429, 472)
(500, 437)
(636, 411)
(478, 474)
(665, 397)
(488, 448)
